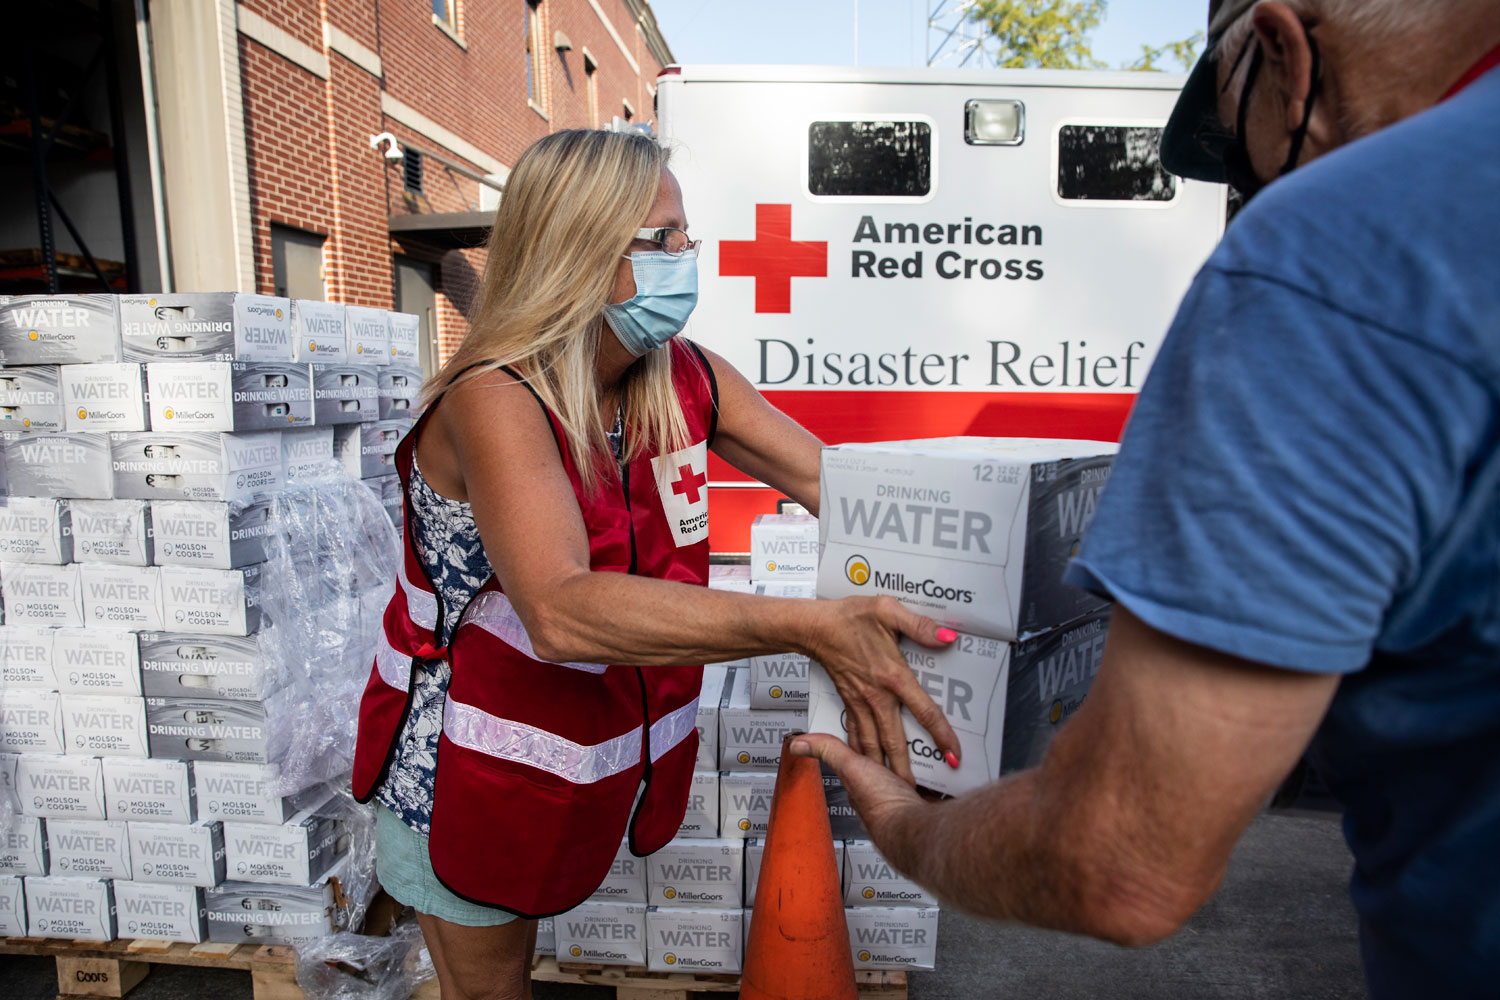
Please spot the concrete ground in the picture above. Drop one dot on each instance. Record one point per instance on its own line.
(1281, 926)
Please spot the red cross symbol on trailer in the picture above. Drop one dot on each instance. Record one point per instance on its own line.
(773, 258)
(690, 483)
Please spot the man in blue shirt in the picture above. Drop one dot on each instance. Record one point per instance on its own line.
(1302, 529)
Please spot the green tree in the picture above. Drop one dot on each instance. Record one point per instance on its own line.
(1185, 52)
(1042, 34)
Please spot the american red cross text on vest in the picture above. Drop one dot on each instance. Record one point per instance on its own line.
(773, 258)
(689, 483)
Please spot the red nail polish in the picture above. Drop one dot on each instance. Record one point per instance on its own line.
(946, 635)
(952, 759)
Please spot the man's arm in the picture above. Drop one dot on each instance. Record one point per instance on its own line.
(1125, 829)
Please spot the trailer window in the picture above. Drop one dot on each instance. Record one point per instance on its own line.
(869, 159)
(1112, 163)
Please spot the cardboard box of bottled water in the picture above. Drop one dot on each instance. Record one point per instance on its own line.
(319, 333)
(843, 820)
(97, 661)
(30, 721)
(778, 681)
(211, 534)
(694, 940)
(715, 677)
(405, 331)
(296, 852)
(546, 936)
(121, 596)
(23, 846)
(38, 594)
(369, 335)
(229, 396)
(345, 393)
(112, 531)
(178, 853)
(750, 739)
(306, 452)
(58, 465)
(626, 881)
(60, 787)
(607, 933)
(755, 853)
(63, 907)
(31, 399)
(893, 937)
(369, 450)
(700, 873)
(974, 532)
(208, 729)
(161, 912)
(105, 725)
(702, 816)
(58, 330)
(109, 397)
(745, 803)
(784, 547)
(211, 601)
(185, 665)
(256, 913)
(12, 906)
(400, 389)
(95, 848)
(196, 465)
(242, 792)
(733, 577)
(36, 530)
(1005, 700)
(154, 791)
(869, 880)
(26, 657)
(205, 326)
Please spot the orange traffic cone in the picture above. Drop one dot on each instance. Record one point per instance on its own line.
(799, 942)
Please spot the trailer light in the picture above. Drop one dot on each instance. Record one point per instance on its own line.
(994, 123)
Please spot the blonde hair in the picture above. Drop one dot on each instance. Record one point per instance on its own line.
(571, 208)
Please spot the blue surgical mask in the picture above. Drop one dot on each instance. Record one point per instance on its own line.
(666, 290)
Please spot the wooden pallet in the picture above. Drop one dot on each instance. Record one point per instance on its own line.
(113, 969)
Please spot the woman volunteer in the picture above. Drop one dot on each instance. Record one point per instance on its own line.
(528, 708)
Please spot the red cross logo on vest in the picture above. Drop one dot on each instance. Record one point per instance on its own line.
(689, 483)
(773, 258)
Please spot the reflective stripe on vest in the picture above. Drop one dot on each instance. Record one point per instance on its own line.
(393, 667)
(493, 612)
(672, 728)
(421, 605)
(493, 736)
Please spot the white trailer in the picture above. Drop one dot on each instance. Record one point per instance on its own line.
(914, 253)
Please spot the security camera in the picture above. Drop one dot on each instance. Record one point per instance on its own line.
(393, 150)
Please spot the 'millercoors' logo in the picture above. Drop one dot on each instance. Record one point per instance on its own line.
(682, 482)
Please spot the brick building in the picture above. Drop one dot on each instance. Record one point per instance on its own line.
(343, 149)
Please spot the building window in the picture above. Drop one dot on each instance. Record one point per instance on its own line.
(533, 46)
(296, 263)
(871, 159)
(446, 12)
(1112, 163)
(629, 112)
(591, 78)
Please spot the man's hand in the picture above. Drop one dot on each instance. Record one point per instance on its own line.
(855, 640)
(887, 805)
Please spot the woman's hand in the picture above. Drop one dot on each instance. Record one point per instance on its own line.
(855, 641)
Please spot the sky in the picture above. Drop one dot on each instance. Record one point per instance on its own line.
(888, 33)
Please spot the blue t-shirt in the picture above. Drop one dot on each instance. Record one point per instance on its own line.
(1311, 480)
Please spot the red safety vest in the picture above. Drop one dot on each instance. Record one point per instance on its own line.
(539, 763)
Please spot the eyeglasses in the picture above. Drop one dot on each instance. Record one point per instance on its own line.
(668, 240)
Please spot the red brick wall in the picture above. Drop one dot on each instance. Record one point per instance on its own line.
(307, 138)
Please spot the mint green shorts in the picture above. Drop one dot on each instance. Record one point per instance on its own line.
(405, 870)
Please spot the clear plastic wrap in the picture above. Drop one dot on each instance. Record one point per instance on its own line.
(347, 966)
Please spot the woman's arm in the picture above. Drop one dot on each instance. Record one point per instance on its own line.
(760, 440)
(534, 536)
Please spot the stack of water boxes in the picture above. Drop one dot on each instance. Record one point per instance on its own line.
(975, 533)
(144, 436)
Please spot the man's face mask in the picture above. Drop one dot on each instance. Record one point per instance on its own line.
(1238, 170)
